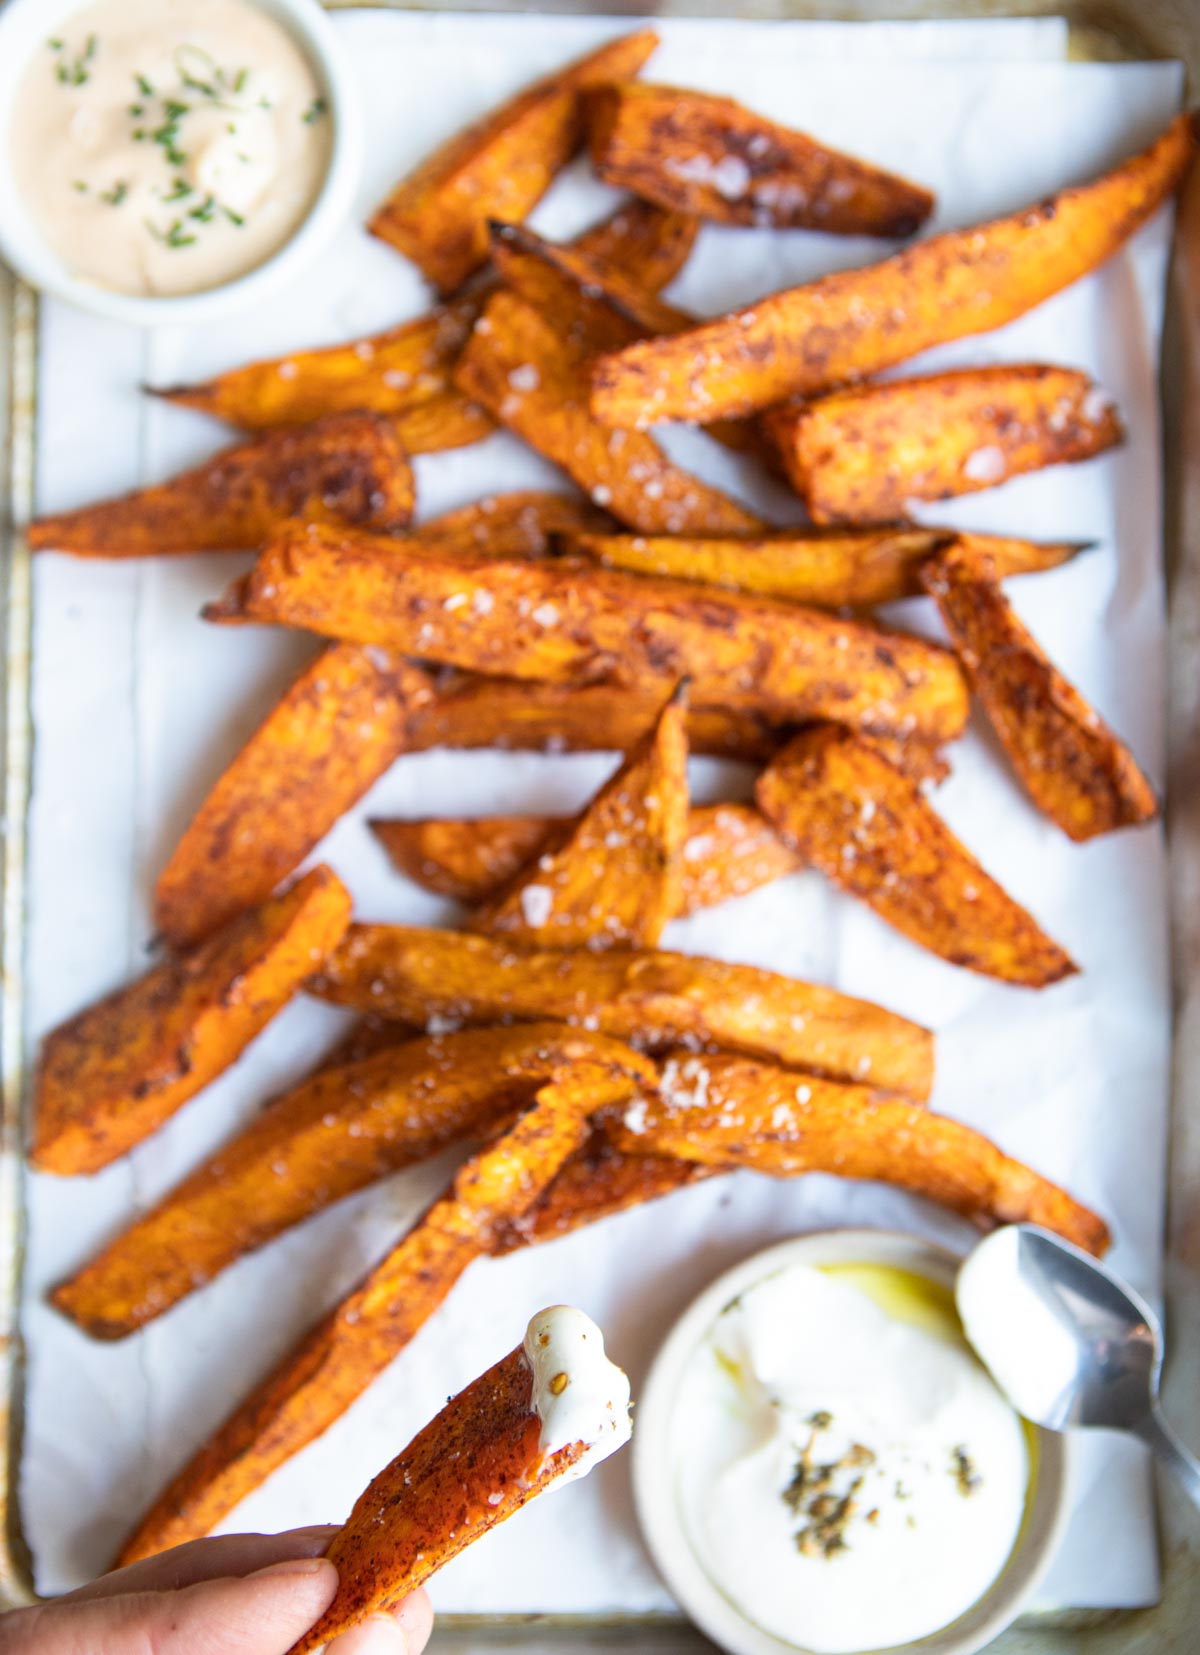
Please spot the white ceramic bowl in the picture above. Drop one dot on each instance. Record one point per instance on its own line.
(654, 1469)
(24, 27)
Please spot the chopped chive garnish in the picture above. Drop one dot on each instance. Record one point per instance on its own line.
(117, 194)
(179, 189)
(234, 218)
(80, 186)
(240, 79)
(176, 236)
(315, 110)
(144, 86)
(205, 210)
(175, 109)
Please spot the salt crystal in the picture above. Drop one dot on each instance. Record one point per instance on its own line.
(536, 904)
(986, 465)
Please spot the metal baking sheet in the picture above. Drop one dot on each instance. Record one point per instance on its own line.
(1154, 35)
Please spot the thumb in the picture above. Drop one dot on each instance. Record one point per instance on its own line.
(262, 1614)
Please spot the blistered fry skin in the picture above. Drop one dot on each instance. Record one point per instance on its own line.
(729, 849)
(699, 153)
(844, 809)
(523, 523)
(830, 568)
(533, 379)
(859, 456)
(612, 875)
(443, 421)
(113, 1074)
(472, 1467)
(1074, 768)
(333, 734)
(344, 1128)
(499, 167)
(648, 997)
(730, 1112)
(560, 623)
(349, 1348)
(348, 468)
(851, 324)
(651, 246)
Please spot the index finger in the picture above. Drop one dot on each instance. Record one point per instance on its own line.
(226, 1556)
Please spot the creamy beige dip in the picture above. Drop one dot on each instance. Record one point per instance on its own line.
(168, 146)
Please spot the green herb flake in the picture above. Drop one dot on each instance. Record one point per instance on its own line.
(316, 109)
(179, 189)
(177, 236)
(80, 186)
(234, 218)
(240, 79)
(144, 86)
(205, 211)
(117, 194)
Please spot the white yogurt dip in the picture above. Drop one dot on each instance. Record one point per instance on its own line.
(847, 1472)
(578, 1394)
(168, 146)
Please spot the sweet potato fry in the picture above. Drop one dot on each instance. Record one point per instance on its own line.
(831, 568)
(334, 733)
(334, 1363)
(1073, 767)
(855, 322)
(500, 167)
(342, 1129)
(348, 468)
(649, 245)
(726, 1111)
(113, 1074)
(646, 996)
(859, 456)
(730, 849)
(698, 153)
(844, 809)
(523, 523)
(611, 874)
(443, 421)
(565, 624)
(531, 377)
(484, 1456)
(597, 1182)
(471, 711)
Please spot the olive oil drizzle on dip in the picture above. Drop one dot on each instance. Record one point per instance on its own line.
(168, 146)
(850, 1476)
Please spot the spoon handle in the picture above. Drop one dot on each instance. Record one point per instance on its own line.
(1167, 1446)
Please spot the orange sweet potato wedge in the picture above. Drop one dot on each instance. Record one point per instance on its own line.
(333, 734)
(698, 153)
(531, 376)
(729, 1112)
(859, 456)
(844, 809)
(500, 167)
(854, 567)
(853, 323)
(646, 996)
(1073, 767)
(597, 1182)
(348, 468)
(729, 849)
(560, 623)
(612, 874)
(344, 1128)
(112, 1075)
(334, 1363)
(405, 372)
(472, 1467)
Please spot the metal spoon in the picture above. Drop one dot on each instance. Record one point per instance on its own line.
(1068, 1343)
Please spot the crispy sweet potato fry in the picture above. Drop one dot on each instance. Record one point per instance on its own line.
(405, 372)
(643, 996)
(730, 849)
(1074, 768)
(831, 568)
(334, 1363)
(500, 167)
(472, 1467)
(523, 523)
(708, 155)
(855, 322)
(531, 377)
(342, 1129)
(846, 810)
(565, 624)
(334, 733)
(727, 1111)
(611, 874)
(117, 1071)
(348, 468)
(859, 456)
(597, 1182)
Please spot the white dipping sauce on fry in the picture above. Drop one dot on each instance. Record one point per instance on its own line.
(578, 1394)
(848, 1473)
(168, 146)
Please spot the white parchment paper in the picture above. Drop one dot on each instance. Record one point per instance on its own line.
(138, 706)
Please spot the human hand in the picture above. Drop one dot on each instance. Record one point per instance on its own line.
(243, 1594)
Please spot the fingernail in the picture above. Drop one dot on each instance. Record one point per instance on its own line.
(294, 1566)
